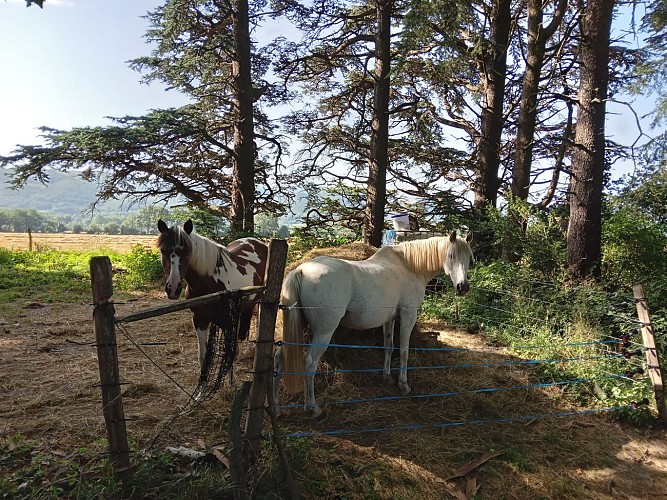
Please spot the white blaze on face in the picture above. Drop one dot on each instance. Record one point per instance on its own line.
(174, 278)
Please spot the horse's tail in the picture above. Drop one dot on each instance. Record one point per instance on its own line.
(294, 327)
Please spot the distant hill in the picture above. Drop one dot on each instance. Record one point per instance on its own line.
(65, 193)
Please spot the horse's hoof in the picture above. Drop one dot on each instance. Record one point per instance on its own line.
(404, 389)
(387, 379)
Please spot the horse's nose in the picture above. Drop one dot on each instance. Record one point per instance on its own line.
(462, 288)
(173, 295)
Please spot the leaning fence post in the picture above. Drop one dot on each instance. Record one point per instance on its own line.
(652, 358)
(263, 364)
(107, 356)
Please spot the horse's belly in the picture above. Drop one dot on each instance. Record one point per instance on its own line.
(365, 319)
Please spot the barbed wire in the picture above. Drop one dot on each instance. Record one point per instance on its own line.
(191, 402)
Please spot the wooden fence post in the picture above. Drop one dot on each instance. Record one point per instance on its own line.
(236, 462)
(263, 364)
(107, 356)
(652, 358)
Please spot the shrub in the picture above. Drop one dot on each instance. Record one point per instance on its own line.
(143, 268)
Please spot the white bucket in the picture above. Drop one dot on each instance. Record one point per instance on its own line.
(401, 222)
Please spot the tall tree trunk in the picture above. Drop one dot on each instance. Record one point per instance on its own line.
(243, 183)
(584, 234)
(493, 74)
(538, 36)
(376, 192)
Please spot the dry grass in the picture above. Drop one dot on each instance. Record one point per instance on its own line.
(85, 242)
(575, 457)
(47, 393)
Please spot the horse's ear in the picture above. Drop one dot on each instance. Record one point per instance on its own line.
(452, 237)
(469, 237)
(188, 226)
(162, 227)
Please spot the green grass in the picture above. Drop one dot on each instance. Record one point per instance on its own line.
(50, 276)
(542, 318)
(30, 472)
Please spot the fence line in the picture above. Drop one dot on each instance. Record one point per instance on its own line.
(623, 340)
(105, 323)
(446, 367)
(450, 349)
(442, 425)
(449, 394)
(270, 306)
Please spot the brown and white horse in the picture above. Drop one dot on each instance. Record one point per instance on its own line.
(208, 267)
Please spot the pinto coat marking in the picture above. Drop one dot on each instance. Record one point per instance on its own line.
(208, 267)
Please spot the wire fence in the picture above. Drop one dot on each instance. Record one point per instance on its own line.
(620, 350)
(619, 353)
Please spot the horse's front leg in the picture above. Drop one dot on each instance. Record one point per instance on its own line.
(406, 325)
(202, 338)
(388, 329)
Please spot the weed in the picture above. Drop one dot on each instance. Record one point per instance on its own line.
(143, 268)
(31, 472)
(518, 459)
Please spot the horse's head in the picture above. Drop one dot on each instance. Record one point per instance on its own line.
(176, 248)
(458, 259)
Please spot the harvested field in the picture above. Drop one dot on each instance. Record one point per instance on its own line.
(70, 241)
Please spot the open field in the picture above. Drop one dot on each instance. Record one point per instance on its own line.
(70, 241)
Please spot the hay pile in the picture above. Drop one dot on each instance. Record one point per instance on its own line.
(356, 250)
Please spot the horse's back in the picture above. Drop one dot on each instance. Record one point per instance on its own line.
(251, 248)
(324, 273)
(360, 294)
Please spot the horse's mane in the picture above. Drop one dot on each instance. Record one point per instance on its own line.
(205, 252)
(428, 255)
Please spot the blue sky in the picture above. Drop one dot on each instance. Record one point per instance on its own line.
(66, 66)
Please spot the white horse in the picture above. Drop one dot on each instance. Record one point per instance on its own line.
(326, 292)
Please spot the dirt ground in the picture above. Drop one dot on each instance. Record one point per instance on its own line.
(48, 372)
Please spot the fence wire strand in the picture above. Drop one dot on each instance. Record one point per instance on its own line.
(441, 425)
